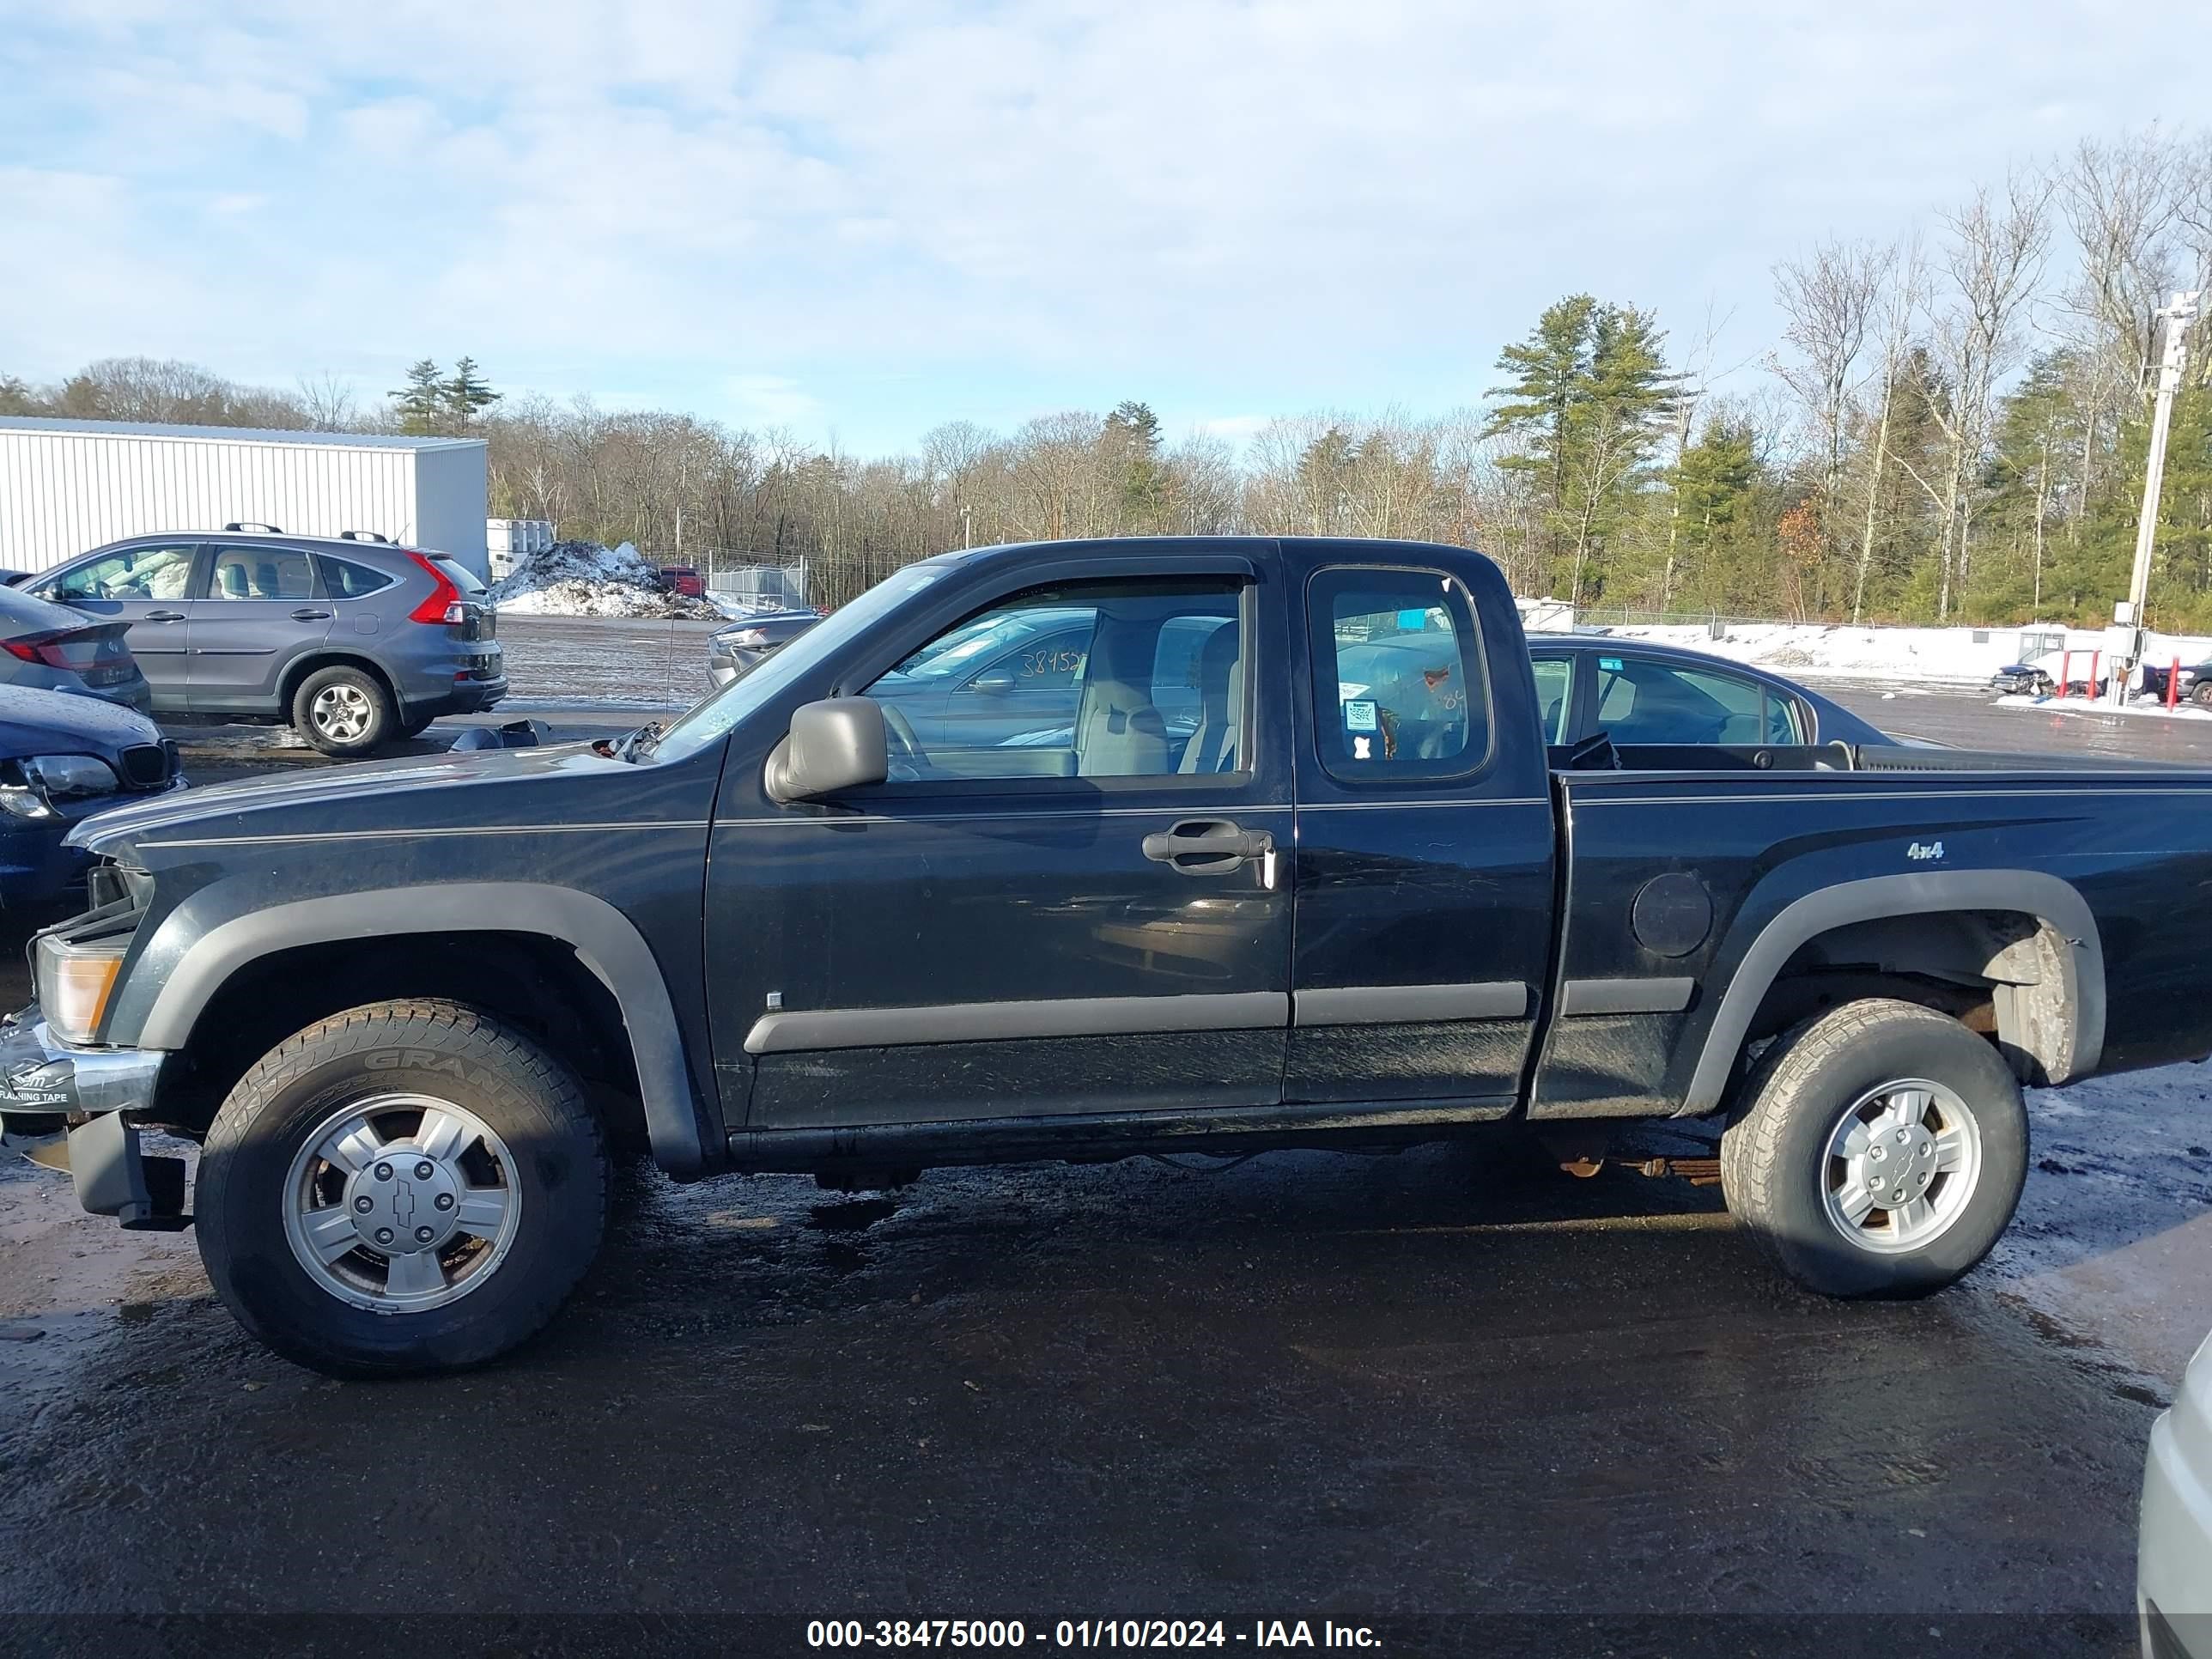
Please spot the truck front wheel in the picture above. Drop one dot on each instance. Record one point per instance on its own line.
(404, 1187)
(1880, 1151)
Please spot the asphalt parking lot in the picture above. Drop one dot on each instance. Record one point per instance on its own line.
(1475, 1405)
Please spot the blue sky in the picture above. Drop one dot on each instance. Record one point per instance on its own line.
(856, 219)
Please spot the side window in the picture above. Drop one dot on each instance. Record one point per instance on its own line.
(1038, 662)
(344, 580)
(136, 572)
(261, 573)
(1555, 684)
(1086, 680)
(1401, 649)
(1640, 701)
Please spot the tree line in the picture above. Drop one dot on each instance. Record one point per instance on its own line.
(1952, 427)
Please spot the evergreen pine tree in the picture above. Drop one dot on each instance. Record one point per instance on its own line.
(466, 394)
(421, 404)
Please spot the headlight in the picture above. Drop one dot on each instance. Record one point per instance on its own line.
(74, 982)
(63, 775)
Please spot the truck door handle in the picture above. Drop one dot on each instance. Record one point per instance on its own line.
(1207, 847)
(163, 615)
(311, 616)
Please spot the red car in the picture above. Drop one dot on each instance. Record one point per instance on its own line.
(685, 579)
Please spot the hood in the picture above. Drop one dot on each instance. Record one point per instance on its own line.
(252, 804)
(34, 722)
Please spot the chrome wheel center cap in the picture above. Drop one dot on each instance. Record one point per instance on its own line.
(403, 1202)
(1897, 1164)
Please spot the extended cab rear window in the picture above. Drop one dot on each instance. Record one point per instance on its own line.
(1400, 693)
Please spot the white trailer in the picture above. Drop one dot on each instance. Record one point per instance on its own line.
(68, 486)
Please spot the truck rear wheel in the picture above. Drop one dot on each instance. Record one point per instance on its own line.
(404, 1187)
(1880, 1151)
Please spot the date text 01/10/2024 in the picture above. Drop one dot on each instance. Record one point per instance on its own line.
(1086, 1633)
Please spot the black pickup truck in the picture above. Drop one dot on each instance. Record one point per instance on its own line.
(411, 1010)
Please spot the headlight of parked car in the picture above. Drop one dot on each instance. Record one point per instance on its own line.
(74, 982)
(28, 787)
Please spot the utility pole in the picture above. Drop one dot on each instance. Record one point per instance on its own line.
(2177, 317)
(967, 524)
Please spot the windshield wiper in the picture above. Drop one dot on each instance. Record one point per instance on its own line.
(638, 745)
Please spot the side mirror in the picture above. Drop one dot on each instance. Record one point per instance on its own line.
(996, 683)
(836, 744)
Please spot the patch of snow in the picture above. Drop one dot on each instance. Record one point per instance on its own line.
(2150, 706)
(584, 579)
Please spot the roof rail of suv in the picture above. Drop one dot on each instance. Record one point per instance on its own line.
(363, 536)
(250, 524)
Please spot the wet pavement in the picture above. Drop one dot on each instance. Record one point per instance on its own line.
(1308, 1386)
(1410, 1392)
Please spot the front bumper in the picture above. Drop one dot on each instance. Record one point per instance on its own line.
(44, 1083)
(2173, 1561)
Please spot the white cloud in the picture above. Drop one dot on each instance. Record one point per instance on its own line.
(772, 400)
(1235, 428)
(1205, 203)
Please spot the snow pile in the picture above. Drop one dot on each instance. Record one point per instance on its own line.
(584, 579)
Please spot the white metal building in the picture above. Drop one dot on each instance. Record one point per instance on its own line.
(67, 486)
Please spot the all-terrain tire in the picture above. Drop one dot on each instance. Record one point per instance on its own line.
(343, 710)
(444, 1053)
(1777, 1154)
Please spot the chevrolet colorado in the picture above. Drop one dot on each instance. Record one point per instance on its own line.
(411, 1009)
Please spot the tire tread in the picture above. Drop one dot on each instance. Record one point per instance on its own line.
(523, 1067)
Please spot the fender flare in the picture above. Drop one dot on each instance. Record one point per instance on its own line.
(1931, 892)
(604, 940)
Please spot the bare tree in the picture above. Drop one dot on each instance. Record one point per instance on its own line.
(1831, 296)
(1903, 291)
(1991, 262)
(326, 403)
(2123, 202)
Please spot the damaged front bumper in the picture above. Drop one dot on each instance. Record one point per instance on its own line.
(62, 1105)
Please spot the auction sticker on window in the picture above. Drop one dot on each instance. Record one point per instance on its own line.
(1359, 715)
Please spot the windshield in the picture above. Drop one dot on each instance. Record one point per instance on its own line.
(710, 721)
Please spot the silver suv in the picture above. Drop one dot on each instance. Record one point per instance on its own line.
(354, 640)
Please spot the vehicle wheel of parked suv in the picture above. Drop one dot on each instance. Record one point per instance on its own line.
(405, 1187)
(343, 711)
(1880, 1151)
(2201, 694)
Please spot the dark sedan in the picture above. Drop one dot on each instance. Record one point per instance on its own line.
(51, 647)
(737, 650)
(1645, 694)
(63, 757)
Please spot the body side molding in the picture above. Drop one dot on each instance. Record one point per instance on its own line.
(1625, 996)
(1405, 1004)
(1925, 893)
(796, 1030)
(604, 940)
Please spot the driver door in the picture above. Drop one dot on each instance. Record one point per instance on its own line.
(150, 586)
(1096, 921)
